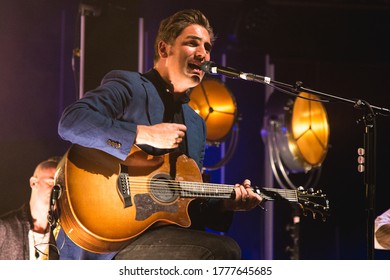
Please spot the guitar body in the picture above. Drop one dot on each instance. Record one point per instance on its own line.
(93, 212)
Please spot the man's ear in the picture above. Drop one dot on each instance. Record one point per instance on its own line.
(33, 182)
(162, 49)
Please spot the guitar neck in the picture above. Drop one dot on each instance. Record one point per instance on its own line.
(205, 190)
(208, 190)
(272, 194)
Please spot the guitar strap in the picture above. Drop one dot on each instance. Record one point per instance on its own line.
(172, 164)
(53, 249)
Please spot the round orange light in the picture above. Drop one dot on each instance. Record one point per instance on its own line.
(217, 106)
(310, 129)
(300, 129)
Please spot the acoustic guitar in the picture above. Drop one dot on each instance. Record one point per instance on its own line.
(105, 202)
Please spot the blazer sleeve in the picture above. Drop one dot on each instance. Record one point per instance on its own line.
(106, 118)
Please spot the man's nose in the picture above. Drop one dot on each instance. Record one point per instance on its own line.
(201, 54)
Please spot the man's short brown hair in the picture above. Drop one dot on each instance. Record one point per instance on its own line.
(171, 27)
(46, 164)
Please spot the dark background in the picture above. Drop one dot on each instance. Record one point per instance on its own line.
(337, 47)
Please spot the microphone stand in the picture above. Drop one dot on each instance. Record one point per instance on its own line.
(369, 152)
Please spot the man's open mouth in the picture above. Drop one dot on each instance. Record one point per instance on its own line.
(194, 66)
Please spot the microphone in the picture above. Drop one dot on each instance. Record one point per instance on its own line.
(52, 216)
(55, 194)
(211, 67)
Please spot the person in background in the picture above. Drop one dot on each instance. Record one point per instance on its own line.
(382, 231)
(25, 233)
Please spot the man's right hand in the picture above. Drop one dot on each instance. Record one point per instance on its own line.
(162, 135)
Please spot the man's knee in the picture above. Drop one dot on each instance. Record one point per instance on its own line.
(226, 249)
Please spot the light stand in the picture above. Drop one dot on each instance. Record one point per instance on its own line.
(369, 120)
(84, 11)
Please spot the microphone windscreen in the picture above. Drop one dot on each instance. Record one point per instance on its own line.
(206, 66)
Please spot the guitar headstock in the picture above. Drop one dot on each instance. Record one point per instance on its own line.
(314, 202)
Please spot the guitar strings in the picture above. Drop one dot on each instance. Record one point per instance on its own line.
(199, 188)
(142, 187)
(209, 190)
(178, 185)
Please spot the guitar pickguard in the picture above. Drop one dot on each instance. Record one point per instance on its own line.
(146, 206)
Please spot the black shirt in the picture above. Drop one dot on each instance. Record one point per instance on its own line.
(203, 213)
(173, 110)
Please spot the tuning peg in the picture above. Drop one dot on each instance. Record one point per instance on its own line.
(310, 190)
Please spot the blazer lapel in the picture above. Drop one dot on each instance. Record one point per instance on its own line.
(154, 104)
(195, 133)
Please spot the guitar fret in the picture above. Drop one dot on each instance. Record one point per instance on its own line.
(194, 189)
(290, 195)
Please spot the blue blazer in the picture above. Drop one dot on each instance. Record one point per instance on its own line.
(107, 117)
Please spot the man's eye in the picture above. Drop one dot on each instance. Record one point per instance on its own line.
(193, 43)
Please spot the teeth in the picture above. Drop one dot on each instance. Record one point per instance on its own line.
(194, 66)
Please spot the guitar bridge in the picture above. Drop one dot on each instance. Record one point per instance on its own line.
(123, 188)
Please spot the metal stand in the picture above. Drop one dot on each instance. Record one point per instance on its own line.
(84, 10)
(369, 136)
(369, 154)
(369, 151)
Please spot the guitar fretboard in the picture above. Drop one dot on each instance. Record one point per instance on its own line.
(208, 190)
(205, 190)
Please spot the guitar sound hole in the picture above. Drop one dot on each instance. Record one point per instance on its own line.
(163, 188)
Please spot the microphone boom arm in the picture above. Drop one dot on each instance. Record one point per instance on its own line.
(212, 68)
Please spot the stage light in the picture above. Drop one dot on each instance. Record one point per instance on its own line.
(296, 133)
(215, 103)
